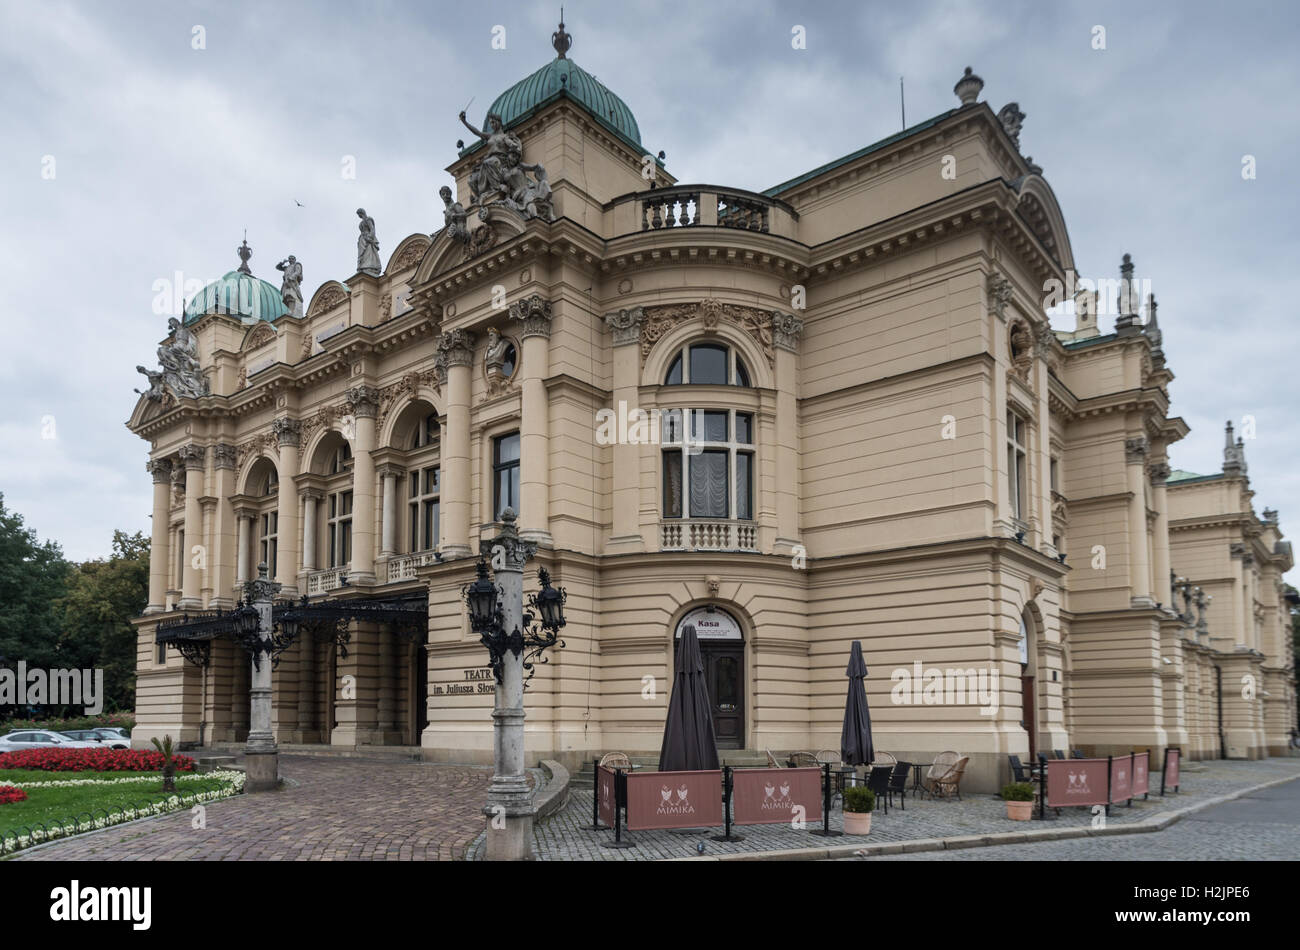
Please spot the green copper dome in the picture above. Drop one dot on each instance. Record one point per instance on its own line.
(238, 294)
(562, 76)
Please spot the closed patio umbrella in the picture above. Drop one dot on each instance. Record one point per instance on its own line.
(689, 743)
(855, 736)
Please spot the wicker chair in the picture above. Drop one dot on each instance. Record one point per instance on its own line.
(949, 783)
(829, 755)
(885, 758)
(772, 762)
(942, 763)
(804, 760)
(615, 760)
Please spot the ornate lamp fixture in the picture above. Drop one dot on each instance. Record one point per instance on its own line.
(541, 624)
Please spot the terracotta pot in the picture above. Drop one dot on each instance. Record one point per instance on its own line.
(857, 822)
(1020, 811)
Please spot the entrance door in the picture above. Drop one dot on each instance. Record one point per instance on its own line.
(724, 672)
(1029, 710)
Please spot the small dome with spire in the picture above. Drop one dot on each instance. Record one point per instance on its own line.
(238, 294)
(563, 77)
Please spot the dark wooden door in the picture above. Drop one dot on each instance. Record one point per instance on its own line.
(724, 672)
(1029, 712)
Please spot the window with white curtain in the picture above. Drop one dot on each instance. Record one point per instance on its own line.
(709, 474)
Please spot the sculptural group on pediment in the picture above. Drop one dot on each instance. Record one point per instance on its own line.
(180, 375)
(499, 177)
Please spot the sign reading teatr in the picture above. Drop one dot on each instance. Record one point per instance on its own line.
(478, 681)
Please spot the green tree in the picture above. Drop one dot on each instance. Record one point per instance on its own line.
(32, 579)
(102, 598)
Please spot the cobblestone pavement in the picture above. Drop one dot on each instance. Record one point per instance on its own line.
(331, 809)
(568, 835)
(1262, 826)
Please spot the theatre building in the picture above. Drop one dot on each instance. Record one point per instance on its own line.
(832, 410)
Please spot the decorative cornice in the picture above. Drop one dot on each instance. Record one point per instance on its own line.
(1159, 473)
(786, 330)
(625, 325)
(316, 494)
(535, 314)
(287, 431)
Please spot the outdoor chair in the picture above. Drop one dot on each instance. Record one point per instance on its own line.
(772, 762)
(949, 783)
(829, 755)
(804, 760)
(878, 782)
(1058, 754)
(942, 763)
(898, 782)
(1019, 773)
(1076, 753)
(615, 760)
(885, 758)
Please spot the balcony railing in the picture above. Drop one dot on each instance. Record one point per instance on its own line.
(402, 567)
(677, 535)
(322, 582)
(684, 206)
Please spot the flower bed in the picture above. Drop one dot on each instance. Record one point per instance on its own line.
(10, 794)
(91, 760)
(16, 838)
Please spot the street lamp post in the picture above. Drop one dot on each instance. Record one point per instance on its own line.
(261, 754)
(515, 640)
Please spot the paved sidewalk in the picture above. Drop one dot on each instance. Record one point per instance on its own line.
(567, 836)
(331, 809)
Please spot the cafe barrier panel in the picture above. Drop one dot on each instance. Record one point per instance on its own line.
(1142, 774)
(674, 800)
(776, 796)
(1074, 782)
(1169, 776)
(1121, 779)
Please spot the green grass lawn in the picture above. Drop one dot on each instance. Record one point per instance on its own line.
(53, 804)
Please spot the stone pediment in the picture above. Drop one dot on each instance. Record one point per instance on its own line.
(485, 233)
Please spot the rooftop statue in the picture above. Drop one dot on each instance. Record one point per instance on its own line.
(453, 217)
(368, 246)
(291, 288)
(181, 377)
(498, 177)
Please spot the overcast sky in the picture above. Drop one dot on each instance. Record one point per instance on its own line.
(163, 154)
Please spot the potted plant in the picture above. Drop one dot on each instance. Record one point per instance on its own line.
(859, 803)
(169, 764)
(1019, 797)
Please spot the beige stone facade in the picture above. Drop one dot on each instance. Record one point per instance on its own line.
(897, 449)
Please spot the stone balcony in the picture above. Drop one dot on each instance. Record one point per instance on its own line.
(322, 582)
(402, 567)
(686, 206)
(707, 535)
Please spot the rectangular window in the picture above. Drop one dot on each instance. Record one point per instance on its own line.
(672, 483)
(268, 541)
(162, 654)
(745, 486)
(1056, 475)
(1016, 468)
(708, 475)
(744, 428)
(424, 509)
(505, 470)
(340, 528)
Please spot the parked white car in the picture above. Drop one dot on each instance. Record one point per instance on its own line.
(42, 738)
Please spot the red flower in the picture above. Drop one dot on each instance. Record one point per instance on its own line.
(53, 759)
(9, 794)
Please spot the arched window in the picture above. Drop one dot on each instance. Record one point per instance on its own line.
(704, 364)
(425, 432)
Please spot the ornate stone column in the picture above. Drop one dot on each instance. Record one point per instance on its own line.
(455, 355)
(1159, 497)
(288, 436)
(388, 542)
(310, 496)
(625, 325)
(161, 470)
(224, 530)
(194, 557)
(1139, 567)
(786, 330)
(246, 518)
(363, 402)
(534, 314)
